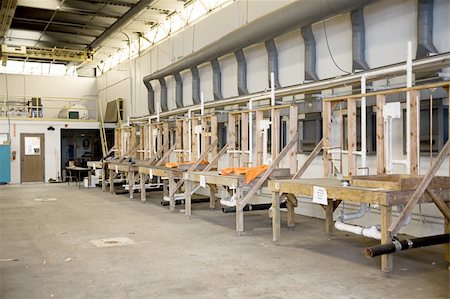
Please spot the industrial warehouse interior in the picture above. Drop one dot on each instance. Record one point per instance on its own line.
(224, 149)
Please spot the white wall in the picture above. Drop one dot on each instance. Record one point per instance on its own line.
(389, 26)
(52, 142)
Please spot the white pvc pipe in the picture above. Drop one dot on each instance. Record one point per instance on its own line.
(363, 124)
(370, 232)
(408, 101)
(272, 89)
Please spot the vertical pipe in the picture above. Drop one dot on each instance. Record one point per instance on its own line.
(163, 98)
(358, 40)
(241, 72)
(363, 124)
(178, 90)
(425, 45)
(217, 80)
(150, 97)
(272, 60)
(195, 85)
(310, 53)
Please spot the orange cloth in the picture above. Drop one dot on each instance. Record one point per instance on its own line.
(176, 164)
(250, 173)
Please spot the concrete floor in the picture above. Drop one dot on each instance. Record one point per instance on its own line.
(179, 258)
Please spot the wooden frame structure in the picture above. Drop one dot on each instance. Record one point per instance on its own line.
(385, 190)
(206, 135)
(237, 148)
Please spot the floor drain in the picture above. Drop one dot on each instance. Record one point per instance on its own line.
(45, 199)
(112, 242)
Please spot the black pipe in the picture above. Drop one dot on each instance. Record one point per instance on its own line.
(264, 206)
(397, 245)
(165, 203)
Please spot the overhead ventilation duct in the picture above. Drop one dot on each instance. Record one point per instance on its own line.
(241, 72)
(150, 97)
(272, 60)
(163, 100)
(295, 15)
(178, 90)
(358, 40)
(310, 54)
(195, 85)
(217, 80)
(425, 45)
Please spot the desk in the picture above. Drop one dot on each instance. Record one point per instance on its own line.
(76, 169)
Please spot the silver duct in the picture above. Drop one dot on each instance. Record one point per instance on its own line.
(310, 54)
(425, 45)
(241, 72)
(163, 100)
(272, 61)
(358, 40)
(150, 97)
(195, 85)
(178, 90)
(295, 15)
(217, 80)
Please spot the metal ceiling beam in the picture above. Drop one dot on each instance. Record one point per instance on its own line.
(7, 9)
(17, 40)
(120, 23)
(109, 2)
(68, 24)
(53, 29)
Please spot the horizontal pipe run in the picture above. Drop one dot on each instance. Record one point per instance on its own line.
(249, 207)
(165, 203)
(397, 246)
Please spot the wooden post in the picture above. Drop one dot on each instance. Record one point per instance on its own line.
(258, 138)
(351, 136)
(195, 145)
(275, 119)
(130, 183)
(187, 198)
(143, 178)
(381, 169)
(276, 217)
(204, 134)
(231, 137)
(172, 186)
(293, 131)
(186, 134)
(212, 197)
(414, 135)
(329, 223)
(239, 211)
(179, 139)
(213, 135)
(166, 141)
(326, 117)
(104, 172)
(244, 138)
(111, 181)
(290, 214)
(386, 216)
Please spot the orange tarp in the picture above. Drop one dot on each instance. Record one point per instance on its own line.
(176, 164)
(250, 173)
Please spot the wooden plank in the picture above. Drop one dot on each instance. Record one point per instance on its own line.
(290, 214)
(204, 138)
(293, 131)
(440, 204)
(309, 160)
(415, 198)
(143, 178)
(275, 128)
(276, 217)
(414, 121)
(239, 211)
(231, 138)
(351, 136)
(386, 217)
(326, 117)
(165, 157)
(187, 198)
(258, 137)
(329, 223)
(179, 139)
(173, 187)
(186, 144)
(213, 120)
(244, 139)
(381, 169)
(195, 145)
(216, 158)
(269, 170)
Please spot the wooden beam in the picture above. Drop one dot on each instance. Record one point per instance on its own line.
(293, 131)
(275, 129)
(276, 217)
(244, 139)
(216, 158)
(381, 169)
(258, 137)
(326, 117)
(231, 137)
(414, 121)
(165, 157)
(442, 206)
(267, 173)
(386, 217)
(309, 160)
(351, 136)
(423, 185)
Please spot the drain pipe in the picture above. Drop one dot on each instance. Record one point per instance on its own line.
(241, 72)
(195, 85)
(370, 231)
(425, 46)
(310, 54)
(163, 99)
(358, 40)
(217, 80)
(178, 90)
(272, 59)
(356, 215)
(150, 97)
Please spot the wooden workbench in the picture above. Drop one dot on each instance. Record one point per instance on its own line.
(213, 179)
(386, 191)
(130, 170)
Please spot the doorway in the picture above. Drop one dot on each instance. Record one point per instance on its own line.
(32, 158)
